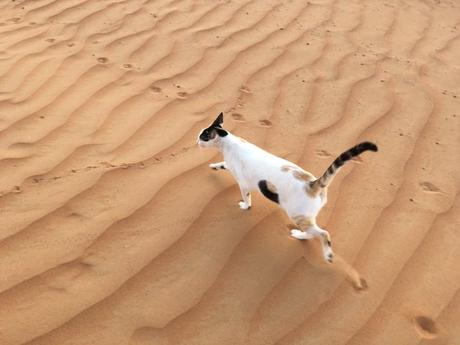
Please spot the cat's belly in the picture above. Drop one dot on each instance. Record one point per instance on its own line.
(248, 176)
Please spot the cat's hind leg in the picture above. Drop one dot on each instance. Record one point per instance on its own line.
(301, 235)
(245, 204)
(325, 238)
(217, 166)
(311, 230)
(303, 223)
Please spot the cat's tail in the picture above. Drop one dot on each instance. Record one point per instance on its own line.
(329, 174)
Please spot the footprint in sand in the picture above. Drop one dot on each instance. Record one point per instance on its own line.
(74, 215)
(127, 66)
(238, 117)
(265, 123)
(155, 89)
(17, 189)
(426, 327)
(323, 153)
(182, 94)
(429, 187)
(245, 89)
(362, 285)
(103, 60)
(357, 159)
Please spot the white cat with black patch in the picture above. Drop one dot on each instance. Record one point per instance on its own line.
(297, 191)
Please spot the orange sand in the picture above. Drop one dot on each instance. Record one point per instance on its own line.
(113, 229)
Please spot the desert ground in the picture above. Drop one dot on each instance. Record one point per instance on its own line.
(114, 231)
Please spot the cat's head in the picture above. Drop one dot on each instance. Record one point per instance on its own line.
(212, 135)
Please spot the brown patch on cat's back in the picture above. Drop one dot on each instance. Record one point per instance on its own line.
(286, 168)
(298, 173)
(303, 175)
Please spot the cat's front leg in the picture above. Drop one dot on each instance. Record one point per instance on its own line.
(217, 166)
(245, 204)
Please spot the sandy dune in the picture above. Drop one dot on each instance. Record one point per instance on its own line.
(113, 229)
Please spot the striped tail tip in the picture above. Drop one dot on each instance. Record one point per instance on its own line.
(367, 145)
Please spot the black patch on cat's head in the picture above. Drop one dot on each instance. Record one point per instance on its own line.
(215, 129)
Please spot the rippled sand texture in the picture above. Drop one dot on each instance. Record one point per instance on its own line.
(114, 230)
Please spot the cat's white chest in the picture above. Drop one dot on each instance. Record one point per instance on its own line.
(239, 170)
(243, 166)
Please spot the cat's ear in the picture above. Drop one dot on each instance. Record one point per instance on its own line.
(220, 131)
(219, 121)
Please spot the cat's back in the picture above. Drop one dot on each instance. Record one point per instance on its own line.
(259, 156)
(264, 165)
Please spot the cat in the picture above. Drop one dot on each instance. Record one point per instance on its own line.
(300, 194)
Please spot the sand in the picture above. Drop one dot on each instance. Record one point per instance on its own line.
(115, 231)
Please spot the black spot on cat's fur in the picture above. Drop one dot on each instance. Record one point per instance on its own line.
(268, 193)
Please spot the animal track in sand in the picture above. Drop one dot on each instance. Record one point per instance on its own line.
(245, 89)
(155, 89)
(426, 327)
(103, 60)
(323, 153)
(238, 117)
(359, 285)
(17, 189)
(182, 94)
(357, 159)
(363, 285)
(429, 187)
(265, 123)
(127, 66)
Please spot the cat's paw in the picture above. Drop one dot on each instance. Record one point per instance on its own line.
(244, 206)
(328, 255)
(217, 166)
(300, 235)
